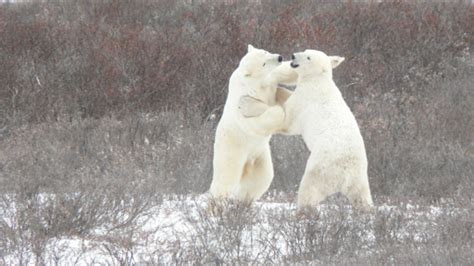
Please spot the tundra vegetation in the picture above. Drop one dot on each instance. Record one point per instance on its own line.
(108, 111)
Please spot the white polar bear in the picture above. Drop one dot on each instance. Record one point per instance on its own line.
(242, 164)
(317, 111)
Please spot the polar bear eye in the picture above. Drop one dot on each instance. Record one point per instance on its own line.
(264, 64)
(308, 58)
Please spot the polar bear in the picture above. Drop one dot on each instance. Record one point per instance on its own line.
(317, 111)
(242, 163)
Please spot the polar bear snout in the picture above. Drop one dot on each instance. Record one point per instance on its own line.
(294, 63)
(276, 57)
(273, 59)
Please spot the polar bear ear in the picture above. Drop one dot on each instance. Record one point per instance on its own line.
(250, 48)
(336, 60)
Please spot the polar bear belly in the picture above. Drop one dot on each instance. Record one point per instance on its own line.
(330, 130)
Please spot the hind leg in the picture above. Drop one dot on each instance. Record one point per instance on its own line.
(257, 177)
(321, 179)
(360, 196)
(309, 195)
(315, 186)
(228, 164)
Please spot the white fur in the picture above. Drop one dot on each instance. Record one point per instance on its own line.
(317, 111)
(242, 165)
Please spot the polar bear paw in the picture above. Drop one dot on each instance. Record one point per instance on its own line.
(276, 111)
(275, 115)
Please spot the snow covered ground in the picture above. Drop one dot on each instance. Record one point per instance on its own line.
(179, 230)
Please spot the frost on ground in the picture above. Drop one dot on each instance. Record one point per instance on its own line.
(180, 230)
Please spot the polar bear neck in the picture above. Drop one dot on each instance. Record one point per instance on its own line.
(320, 87)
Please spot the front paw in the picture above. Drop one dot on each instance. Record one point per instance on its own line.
(277, 114)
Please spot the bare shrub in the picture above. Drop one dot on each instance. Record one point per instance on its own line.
(181, 231)
(333, 233)
(154, 152)
(222, 238)
(30, 222)
(69, 179)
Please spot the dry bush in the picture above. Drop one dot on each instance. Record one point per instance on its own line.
(90, 58)
(221, 238)
(31, 223)
(136, 151)
(401, 232)
(72, 178)
(268, 233)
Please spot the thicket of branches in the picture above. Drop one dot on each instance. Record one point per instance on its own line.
(96, 57)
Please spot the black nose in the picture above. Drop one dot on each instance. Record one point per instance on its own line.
(280, 58)
(293, 57)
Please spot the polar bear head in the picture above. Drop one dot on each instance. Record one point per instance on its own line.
(314, 63)
(258, 62)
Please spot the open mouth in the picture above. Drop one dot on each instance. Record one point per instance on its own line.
(294, 65)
